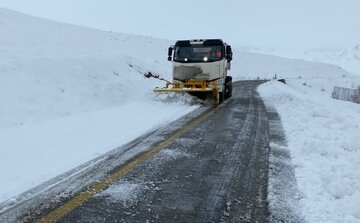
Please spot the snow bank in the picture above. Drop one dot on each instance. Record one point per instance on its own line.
(52, 147)
(322, 136)
(322, 133)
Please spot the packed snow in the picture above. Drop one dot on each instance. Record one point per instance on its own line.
(129, 193)
(124, 192)
(70, 94)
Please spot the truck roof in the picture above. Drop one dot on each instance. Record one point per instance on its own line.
(204, 42)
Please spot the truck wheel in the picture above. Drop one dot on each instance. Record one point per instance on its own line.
(221, 97)
(228, 87)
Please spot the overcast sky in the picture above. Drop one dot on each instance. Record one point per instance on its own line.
(258, 23)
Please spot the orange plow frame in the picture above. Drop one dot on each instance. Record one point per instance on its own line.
(191, 86)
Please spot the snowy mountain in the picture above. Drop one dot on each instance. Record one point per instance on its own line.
(347, 58)
(69, 94)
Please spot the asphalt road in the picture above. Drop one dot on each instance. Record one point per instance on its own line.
(215, 172)
(210, 166)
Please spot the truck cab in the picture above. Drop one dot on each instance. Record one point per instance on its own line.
(204, 60)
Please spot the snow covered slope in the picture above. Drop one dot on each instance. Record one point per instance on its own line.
(79, 69)
(320, 78)
(69, 94)
(349, 58)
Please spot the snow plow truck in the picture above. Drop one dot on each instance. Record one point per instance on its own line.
(199, 67)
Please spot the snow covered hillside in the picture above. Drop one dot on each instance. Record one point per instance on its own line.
(349, 58)
(319, 78)
(79, 69)
(69, 94)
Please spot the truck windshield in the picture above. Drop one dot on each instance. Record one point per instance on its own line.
(198, 54)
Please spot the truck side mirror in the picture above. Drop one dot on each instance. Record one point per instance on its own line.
(228, 57)
(170, 50)
(229, 53)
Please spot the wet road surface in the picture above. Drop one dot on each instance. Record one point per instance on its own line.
(216, 172)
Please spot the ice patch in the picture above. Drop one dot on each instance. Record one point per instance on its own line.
(124, 192)
(172, 154)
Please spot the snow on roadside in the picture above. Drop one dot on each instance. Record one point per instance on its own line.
(52, 147)
(322, 136)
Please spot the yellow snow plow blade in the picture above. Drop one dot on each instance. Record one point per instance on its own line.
(191, 86)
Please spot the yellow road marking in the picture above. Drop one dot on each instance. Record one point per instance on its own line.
(75, 202)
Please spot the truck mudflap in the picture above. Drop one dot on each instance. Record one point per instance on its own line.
(192, 86)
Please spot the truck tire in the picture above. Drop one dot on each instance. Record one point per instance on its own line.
(221, 97)
(228, 87)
